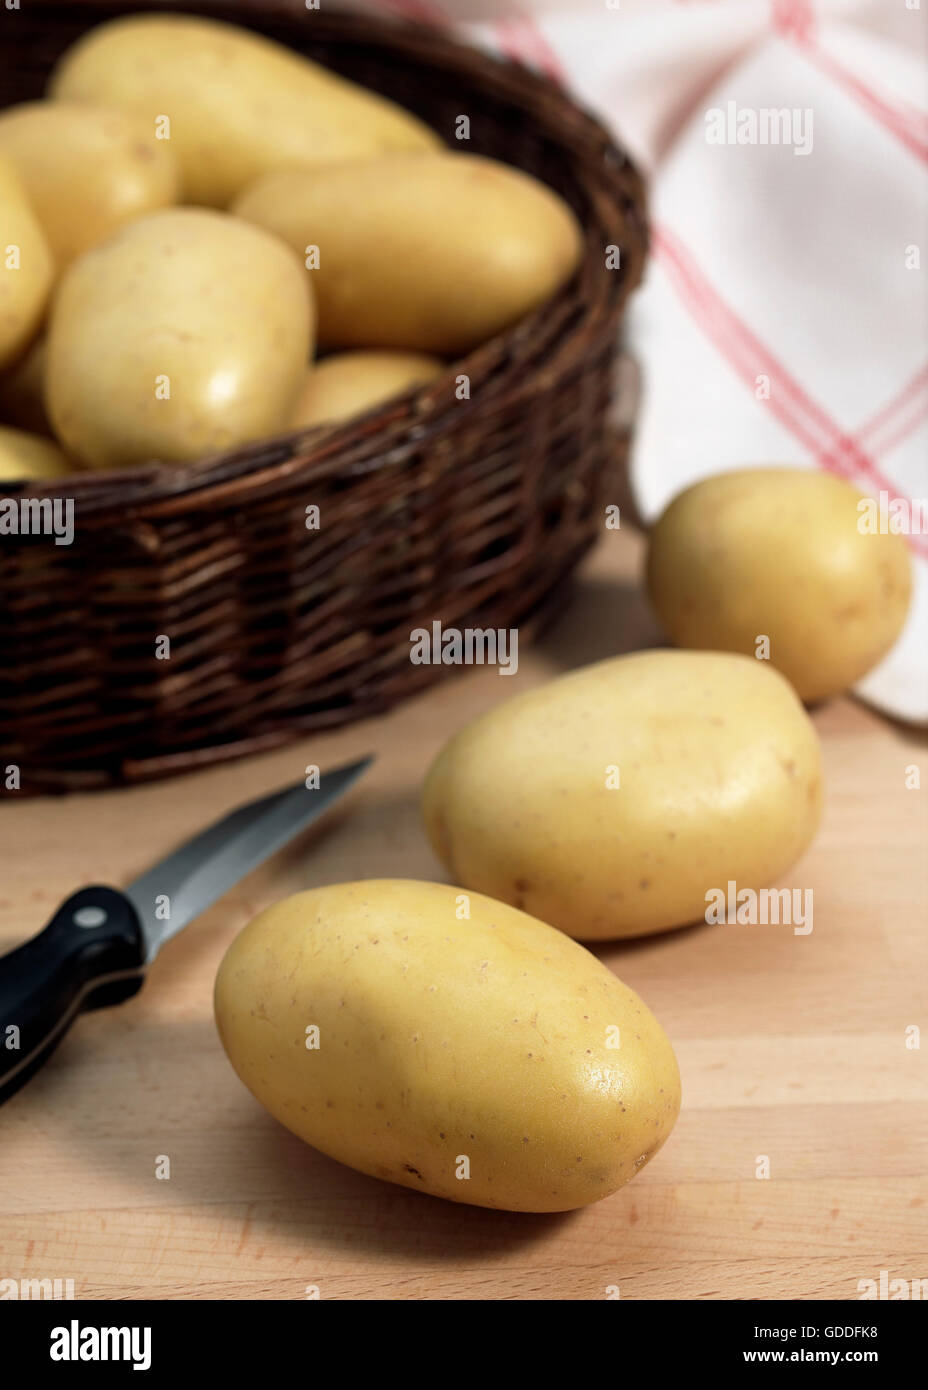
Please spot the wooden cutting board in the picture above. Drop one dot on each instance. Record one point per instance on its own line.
(793, 1048)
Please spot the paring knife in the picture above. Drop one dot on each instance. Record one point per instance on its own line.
(96, 948)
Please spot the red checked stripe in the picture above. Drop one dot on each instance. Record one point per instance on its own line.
(889, 441)
(508, 43)
(911, 400)
(747, 354)
(908, 128)
(905, 427)
(831, 447)
(795, 19)
(521, 39)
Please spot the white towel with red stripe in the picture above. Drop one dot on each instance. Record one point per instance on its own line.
(783, 319)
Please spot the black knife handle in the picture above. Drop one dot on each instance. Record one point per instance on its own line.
(91, 954)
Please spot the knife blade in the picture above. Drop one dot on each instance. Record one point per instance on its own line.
(182, 886)
(95, 950)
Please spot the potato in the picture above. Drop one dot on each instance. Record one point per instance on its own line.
(433, 253)
(611, 800)
(86, 169)
(24, 455)
(350, 382)
(22, 392)
(238, 105)
(186, 333)
(26, 268)
(780, 553)
(491, 1043)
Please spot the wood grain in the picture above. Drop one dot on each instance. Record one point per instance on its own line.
(790, 1047)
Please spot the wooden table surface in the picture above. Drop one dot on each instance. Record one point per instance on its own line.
(790, 1047)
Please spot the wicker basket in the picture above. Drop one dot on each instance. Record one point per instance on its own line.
(471, 512)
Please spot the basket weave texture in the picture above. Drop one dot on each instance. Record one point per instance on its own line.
(468, 511)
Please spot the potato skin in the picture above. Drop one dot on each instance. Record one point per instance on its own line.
(778, 552)
(348, 383)
(442, 1037)
(22, 392)
(451, 248)
(24, 287)
(218, 308)
(239, 104)
(25, 455)
(86, 169)
(719, 773)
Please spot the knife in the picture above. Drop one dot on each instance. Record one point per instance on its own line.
(96, 949)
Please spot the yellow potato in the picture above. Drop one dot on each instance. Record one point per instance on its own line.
(610, 801)
(26, 268)
(86, 169)
(485, 1059)
(237, 104)
(434, 252)
(24, 455)
(350, 382)
(186, 333)
(780, 553)
(22, 392)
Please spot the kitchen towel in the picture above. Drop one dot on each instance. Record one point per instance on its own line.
(783, 318)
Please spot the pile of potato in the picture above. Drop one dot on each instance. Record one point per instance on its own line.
(193, 210)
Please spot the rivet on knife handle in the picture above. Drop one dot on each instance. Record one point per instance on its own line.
(91, 953)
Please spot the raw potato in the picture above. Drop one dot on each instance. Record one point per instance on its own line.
(24, 455)
(26, 268)
(190, 302)
(442, 1039)
(609, 801)
(433, 253)
(22, 392)
(778, 552)
(239, 105)
(86, 169)
(349, 382)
